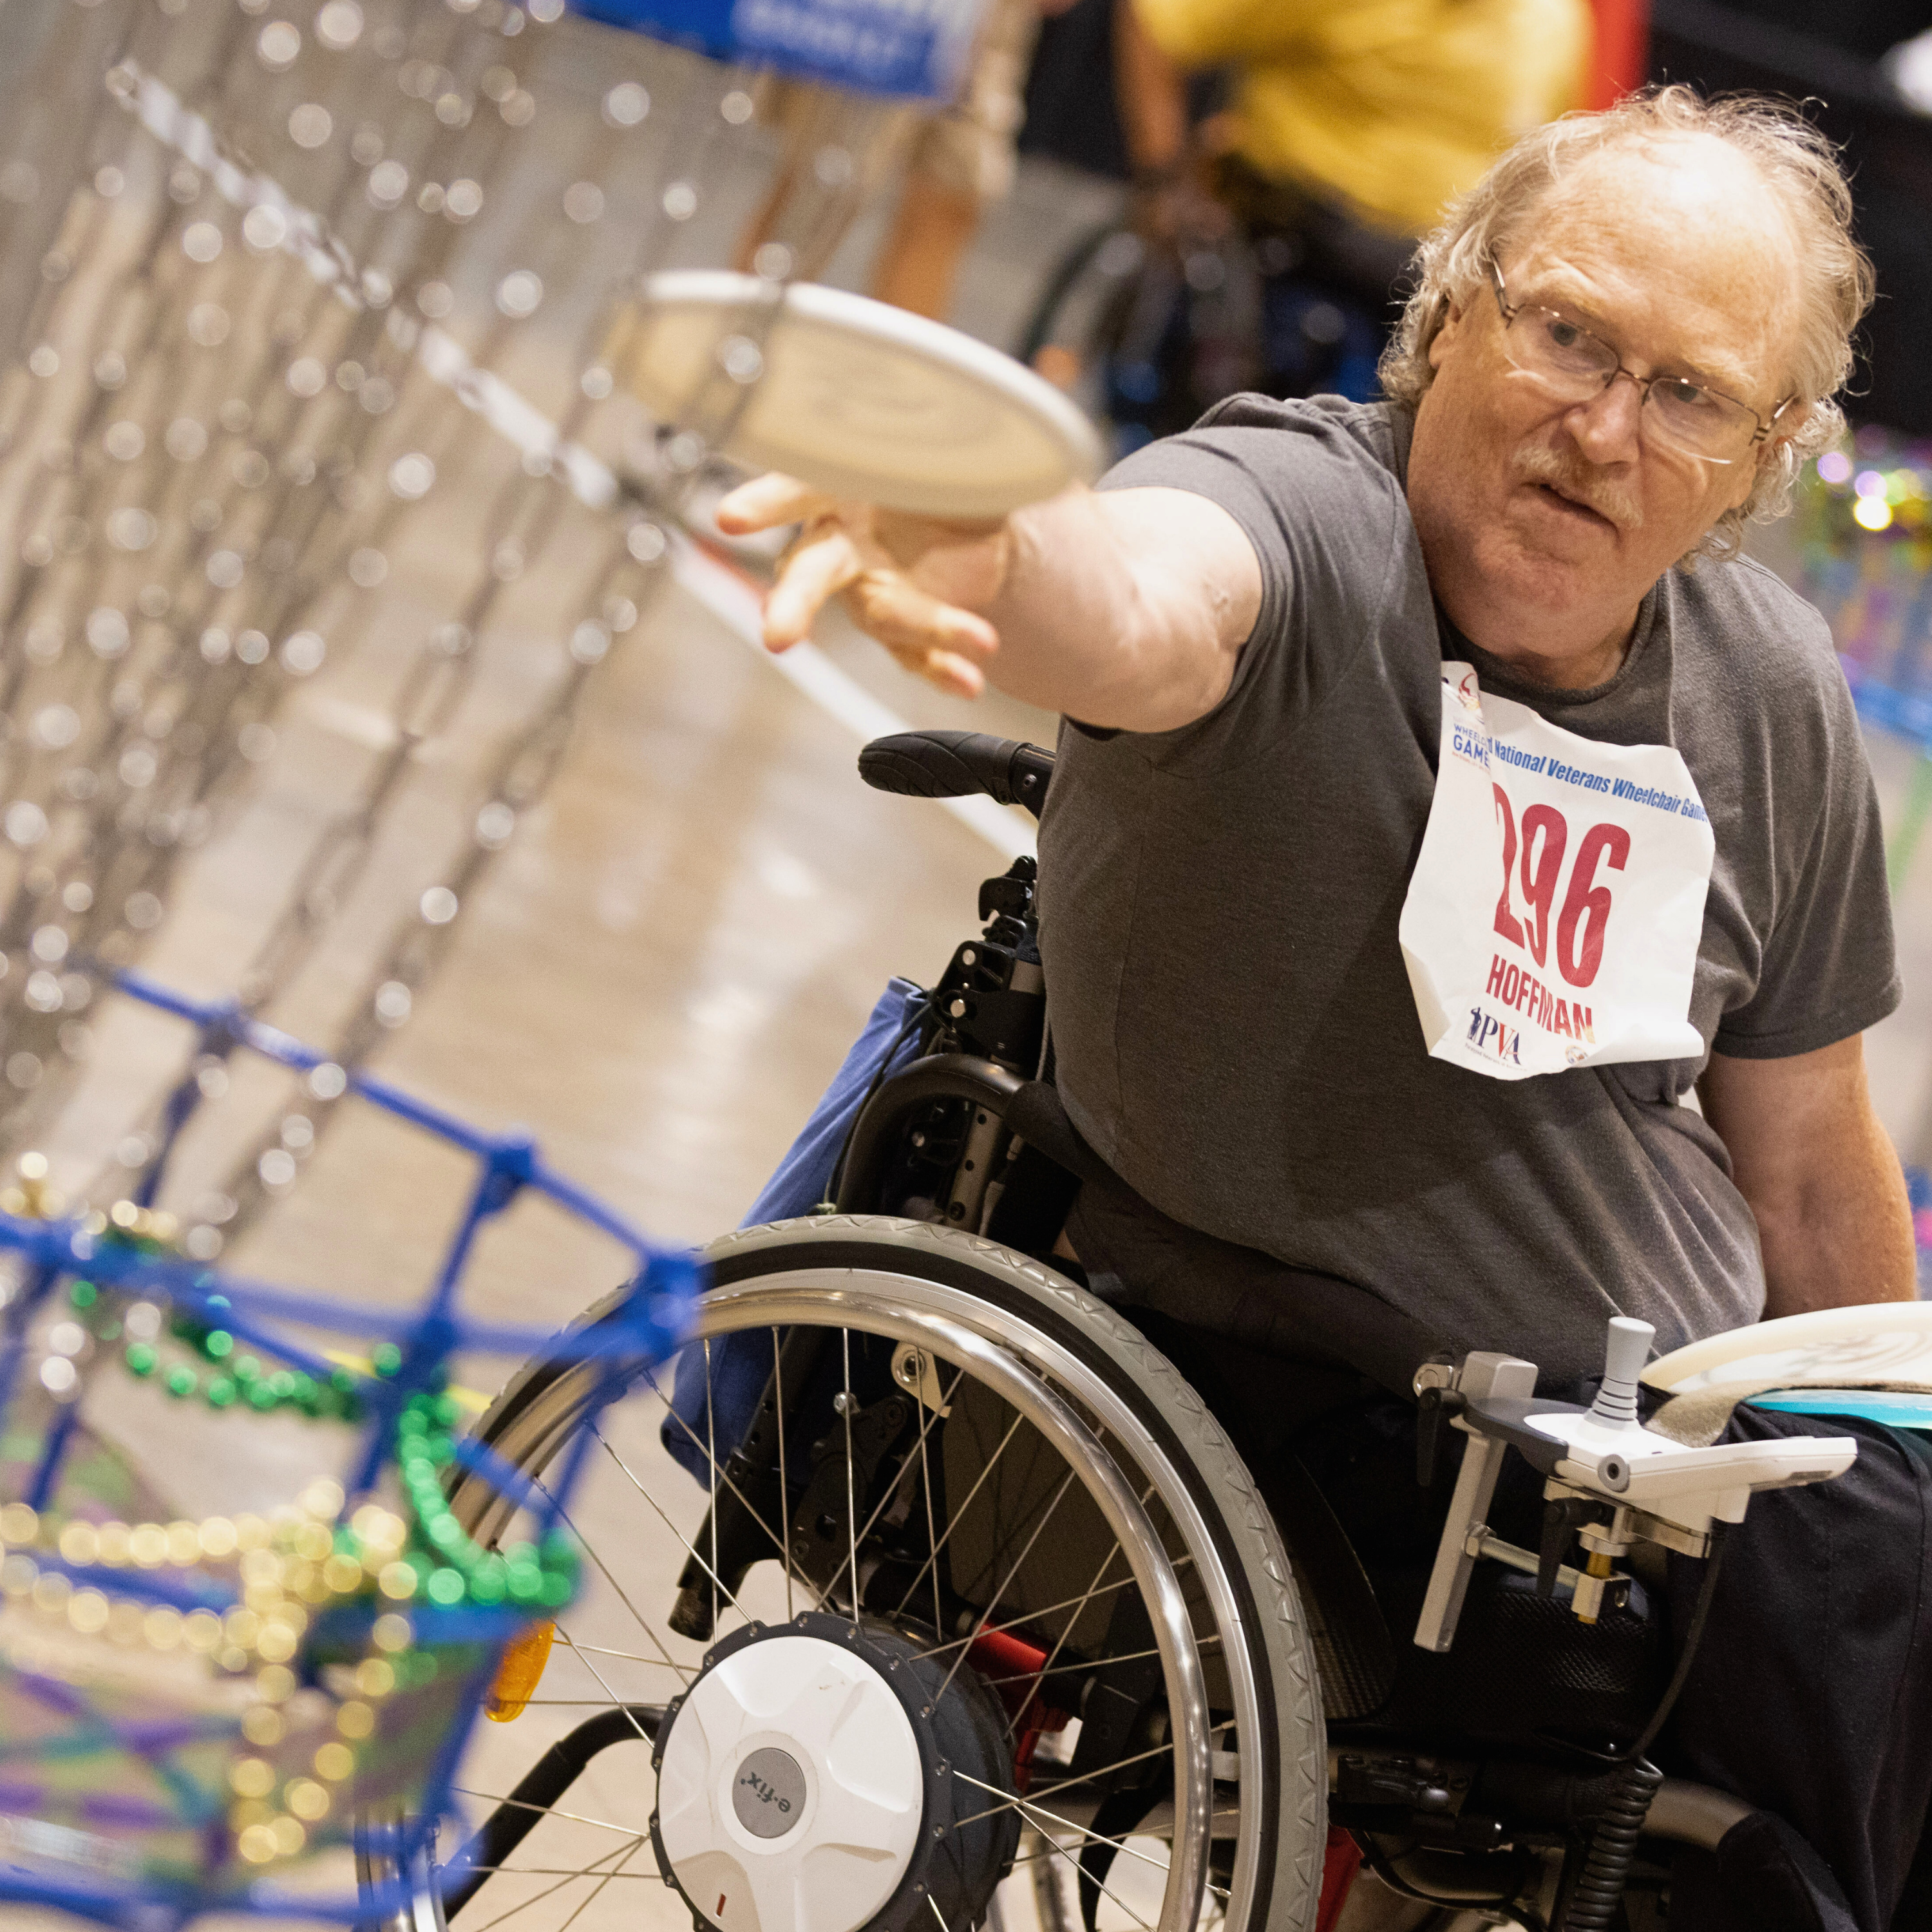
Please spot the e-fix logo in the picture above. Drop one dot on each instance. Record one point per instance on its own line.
(1488, 1035)
(768, 1794)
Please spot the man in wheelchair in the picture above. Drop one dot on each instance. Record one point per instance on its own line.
(1461, 897)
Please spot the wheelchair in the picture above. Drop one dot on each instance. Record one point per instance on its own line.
(973, 1586)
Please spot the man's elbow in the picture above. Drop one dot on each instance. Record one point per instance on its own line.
(1164, 689)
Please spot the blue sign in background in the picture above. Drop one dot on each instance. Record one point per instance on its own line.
(914, 48)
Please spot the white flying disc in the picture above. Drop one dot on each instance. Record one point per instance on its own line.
(856, 397)
(1877, 1344)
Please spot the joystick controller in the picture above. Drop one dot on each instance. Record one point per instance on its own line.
(1609, 1481)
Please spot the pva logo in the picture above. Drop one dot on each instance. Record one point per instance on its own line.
(1490, 1036)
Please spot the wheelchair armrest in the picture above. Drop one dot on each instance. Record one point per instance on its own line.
(940, 1076)
(1629, 1481)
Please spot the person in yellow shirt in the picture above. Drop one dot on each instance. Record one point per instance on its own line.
(1386, 109)
(1352, 124)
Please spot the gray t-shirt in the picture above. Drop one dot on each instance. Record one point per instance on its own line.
(1234, 1030)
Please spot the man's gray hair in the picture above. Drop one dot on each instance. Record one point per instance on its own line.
(1796, 163)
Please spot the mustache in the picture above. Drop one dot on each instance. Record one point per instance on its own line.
(1569, 477)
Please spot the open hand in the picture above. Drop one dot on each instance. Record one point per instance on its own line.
(905, 579)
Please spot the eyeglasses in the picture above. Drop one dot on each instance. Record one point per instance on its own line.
(1574, 364)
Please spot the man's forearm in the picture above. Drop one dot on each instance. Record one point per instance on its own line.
(1067, 610)
(1838, 1245)
(1127, 610)
(1811, 1157)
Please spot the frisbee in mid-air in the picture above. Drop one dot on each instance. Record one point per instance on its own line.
(854, 397)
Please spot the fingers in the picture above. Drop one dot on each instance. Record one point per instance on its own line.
(821, 565)
(940, 642)
(901, 617)
(952, 674)
(944, 645)
(766, 502)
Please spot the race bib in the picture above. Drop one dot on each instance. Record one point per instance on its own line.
(1555, 913)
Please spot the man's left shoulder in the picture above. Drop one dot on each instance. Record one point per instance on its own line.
(1754, 635)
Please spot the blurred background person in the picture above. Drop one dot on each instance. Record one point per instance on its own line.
(1350, 127)
(1284, 156)
(955, 160)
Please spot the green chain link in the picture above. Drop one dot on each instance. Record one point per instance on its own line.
(449, 1567)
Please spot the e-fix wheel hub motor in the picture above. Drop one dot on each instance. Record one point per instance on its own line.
(814, 1778)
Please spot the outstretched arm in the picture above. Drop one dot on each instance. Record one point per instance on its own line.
(1126, 609)
(1820, 1174)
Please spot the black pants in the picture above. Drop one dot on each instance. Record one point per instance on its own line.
(1811, 1695)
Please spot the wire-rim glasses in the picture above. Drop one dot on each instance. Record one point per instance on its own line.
(1690, 417)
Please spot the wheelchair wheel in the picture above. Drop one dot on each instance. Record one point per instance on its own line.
(380, 1865)
(1071, 1610)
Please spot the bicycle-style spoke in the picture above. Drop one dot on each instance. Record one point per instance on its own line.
(643, 1622)
(1086, 1780)
(1038, 1816)
(545, 1810)
(597, 1891)
(559, 1871)
(1049, 1852)
(1073, 1617)
(1179, 1564)
(690, 1549)
(626, 1656)
(784, 1484)
(1112, 1656)
(1061, 1851)
(722, 1474)
(616, 1703)
(1046, 1517)
(711, 1464)
(568, 1703)
(620, 1853)
(892, 1489)
(931, 1527)
(846, 1404)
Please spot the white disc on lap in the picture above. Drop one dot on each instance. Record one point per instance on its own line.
(1876, 1345)
(856, 397)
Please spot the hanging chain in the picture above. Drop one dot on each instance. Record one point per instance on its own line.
(235, 412)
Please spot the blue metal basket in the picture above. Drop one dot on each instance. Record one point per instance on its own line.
(187, 1710)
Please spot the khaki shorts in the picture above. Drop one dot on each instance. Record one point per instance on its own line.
(967, 149)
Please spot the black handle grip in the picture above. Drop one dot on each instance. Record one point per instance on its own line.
(956, 764)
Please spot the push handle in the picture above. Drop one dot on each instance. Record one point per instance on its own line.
(1624, 1354)
(955, 764)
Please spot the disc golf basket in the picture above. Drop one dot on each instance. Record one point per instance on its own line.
(313, 463)
(187, 1704)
